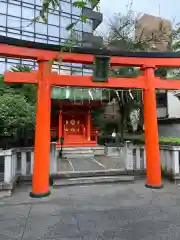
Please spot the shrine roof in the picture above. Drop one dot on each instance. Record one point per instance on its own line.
(86, 50)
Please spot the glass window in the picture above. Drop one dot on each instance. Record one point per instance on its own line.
(76, 11)
(53, 39)
(2, 20)
(78, 26)
(3, 7)
(65, 7)
(38, 2)
(41, 28)
(27, 13)
(2, 29)
(52, 42)
(64, 33)
(27, 26)
(87, 27)
(65, 21)
(28, 34)
(2, 67)
(53, 19)
(37, 13)
(40, 40)
(41, 36)
(13, 35)
(53, 31)
(65, 70)
(28, 38)
(29, 1)
(14, 31)
(14, 10)
(13, 22)
(78, 35)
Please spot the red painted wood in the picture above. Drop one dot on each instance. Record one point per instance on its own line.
(39, 54)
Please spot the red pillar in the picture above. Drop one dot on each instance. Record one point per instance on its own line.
(89, 126)
(60, 132)
(40, 181)
(153, 165)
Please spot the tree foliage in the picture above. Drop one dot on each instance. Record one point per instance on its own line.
(16, 113)
(17, 109)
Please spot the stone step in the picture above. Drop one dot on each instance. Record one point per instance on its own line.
(78, 153)
(93, 180)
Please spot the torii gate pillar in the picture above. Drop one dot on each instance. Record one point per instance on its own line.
(153, 179)
(40, 183)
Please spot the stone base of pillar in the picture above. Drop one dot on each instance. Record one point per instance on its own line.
(154, 187)
(42, 195)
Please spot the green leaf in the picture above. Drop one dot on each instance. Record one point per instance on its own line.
(84, 18)
(51, 62)
(79, 4)
(70, 26)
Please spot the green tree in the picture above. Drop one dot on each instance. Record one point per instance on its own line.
(15, 114)
(17, 108)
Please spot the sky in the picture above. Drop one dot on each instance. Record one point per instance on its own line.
(164, 8)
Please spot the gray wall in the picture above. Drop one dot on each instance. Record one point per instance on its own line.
(169, 130)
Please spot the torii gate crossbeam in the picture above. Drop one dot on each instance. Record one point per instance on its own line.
(44, 78)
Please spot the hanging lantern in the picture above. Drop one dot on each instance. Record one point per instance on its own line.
(101, 68)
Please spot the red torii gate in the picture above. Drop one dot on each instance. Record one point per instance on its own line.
(45, 79)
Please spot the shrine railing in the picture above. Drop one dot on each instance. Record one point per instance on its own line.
(136, 158)
(19, 161)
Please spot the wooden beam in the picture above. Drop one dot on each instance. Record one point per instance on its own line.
(20, 77)
(30, 53)
(86, 81)
(167, 84)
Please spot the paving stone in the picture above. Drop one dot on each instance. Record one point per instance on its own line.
(107, 212)
(12, 229)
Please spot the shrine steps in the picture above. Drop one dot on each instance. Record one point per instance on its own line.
(82, 152)
(93, 180)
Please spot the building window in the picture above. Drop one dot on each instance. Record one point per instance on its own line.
(14, 10)
(65, 7)
(27, 38)
(13, 22)
(79, 26)
(30, 1)
(87, 26)
(64, 33)
(76, 11)
(38, 2)
(65, 21)
(2, 66)
(41, 28)
(53, 31)
(53, 19)
(27, 13)
(3, 7)
(2, 20)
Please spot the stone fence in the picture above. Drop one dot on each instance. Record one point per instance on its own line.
(19, 162)
(135, 157)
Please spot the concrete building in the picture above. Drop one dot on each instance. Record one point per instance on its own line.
(158, 29)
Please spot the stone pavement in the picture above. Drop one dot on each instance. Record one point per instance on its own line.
(90, 164)
(119, 211)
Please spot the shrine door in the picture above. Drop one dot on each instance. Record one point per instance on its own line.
(74, 129)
